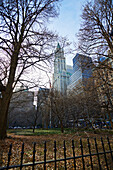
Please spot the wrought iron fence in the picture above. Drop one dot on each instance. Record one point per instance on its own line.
(74, 158)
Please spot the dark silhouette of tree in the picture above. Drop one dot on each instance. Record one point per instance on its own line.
(96, 39)
(24, 42)
(95, 31)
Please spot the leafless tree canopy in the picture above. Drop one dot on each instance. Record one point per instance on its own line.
(24, 39)
(96, 25)
(24, 42)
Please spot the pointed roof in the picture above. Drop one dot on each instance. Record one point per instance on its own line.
(58, 46)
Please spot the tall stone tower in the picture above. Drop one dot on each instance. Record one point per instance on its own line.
(60, 75)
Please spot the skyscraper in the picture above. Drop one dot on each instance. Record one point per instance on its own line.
(82, 70)
(61, 76)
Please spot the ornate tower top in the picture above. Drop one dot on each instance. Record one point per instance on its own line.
(59, 52)
(58, 46)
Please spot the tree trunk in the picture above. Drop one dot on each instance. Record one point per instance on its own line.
(1, 154)
(61, 125)
(7, 94)
(4, 114)
(33, 129)
(74, 124)
(35, 122)
(110, 119)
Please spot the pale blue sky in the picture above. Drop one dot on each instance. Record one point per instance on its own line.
(69, 19)
(68, 22)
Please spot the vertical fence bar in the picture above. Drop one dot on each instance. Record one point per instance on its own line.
(45, 150)
(89, 147)
(73, 148)
(65, 159)
(9, 156)
(34, 151)
(22, 153)
(110, 148)
(97, 153)
(55, 153)
(81, 146)
(65, 155)
(104, 153)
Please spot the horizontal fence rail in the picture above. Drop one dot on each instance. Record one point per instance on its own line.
(65, 158)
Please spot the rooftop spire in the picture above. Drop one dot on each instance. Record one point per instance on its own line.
(58, 46)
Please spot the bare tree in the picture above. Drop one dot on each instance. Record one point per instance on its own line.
(95, 39)
(103, 78)
(24, 42)
(84, 103)
(43, 106)
(58, 109)
(75, 106)
(96, 25)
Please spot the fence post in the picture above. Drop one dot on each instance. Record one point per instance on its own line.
(104, 153)
(81, 146)
(9, 156)
(97, 153)
(45, 150)
(110, 148)
(34, 155)
(65, 155)
(73, 148)
(55, 153)
(22, 153)
(89, 147)
(44, 163)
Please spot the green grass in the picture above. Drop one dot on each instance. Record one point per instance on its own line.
(39, 132)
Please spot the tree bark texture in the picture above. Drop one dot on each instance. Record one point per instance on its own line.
(61, 125)
(3, 115)
(6, 96)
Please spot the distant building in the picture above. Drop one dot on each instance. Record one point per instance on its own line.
(69, 72)
(67, 77)
(69, 69)
(43, 94)
(61, 75)
(82, 70)
(43, 107)
(21, 109)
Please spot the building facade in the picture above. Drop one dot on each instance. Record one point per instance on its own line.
(82, 71)
(61, 74)
(43, 107)
(21, 110)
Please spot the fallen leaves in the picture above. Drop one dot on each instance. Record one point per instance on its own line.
(28, 150)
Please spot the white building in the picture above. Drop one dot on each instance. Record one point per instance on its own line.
(61, 75)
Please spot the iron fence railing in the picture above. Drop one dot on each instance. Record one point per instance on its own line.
(74, 158)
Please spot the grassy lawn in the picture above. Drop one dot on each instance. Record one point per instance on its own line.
(38, 132)
(29, 132)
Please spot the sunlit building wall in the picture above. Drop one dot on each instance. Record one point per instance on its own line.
(82, 70)
(61, 71)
